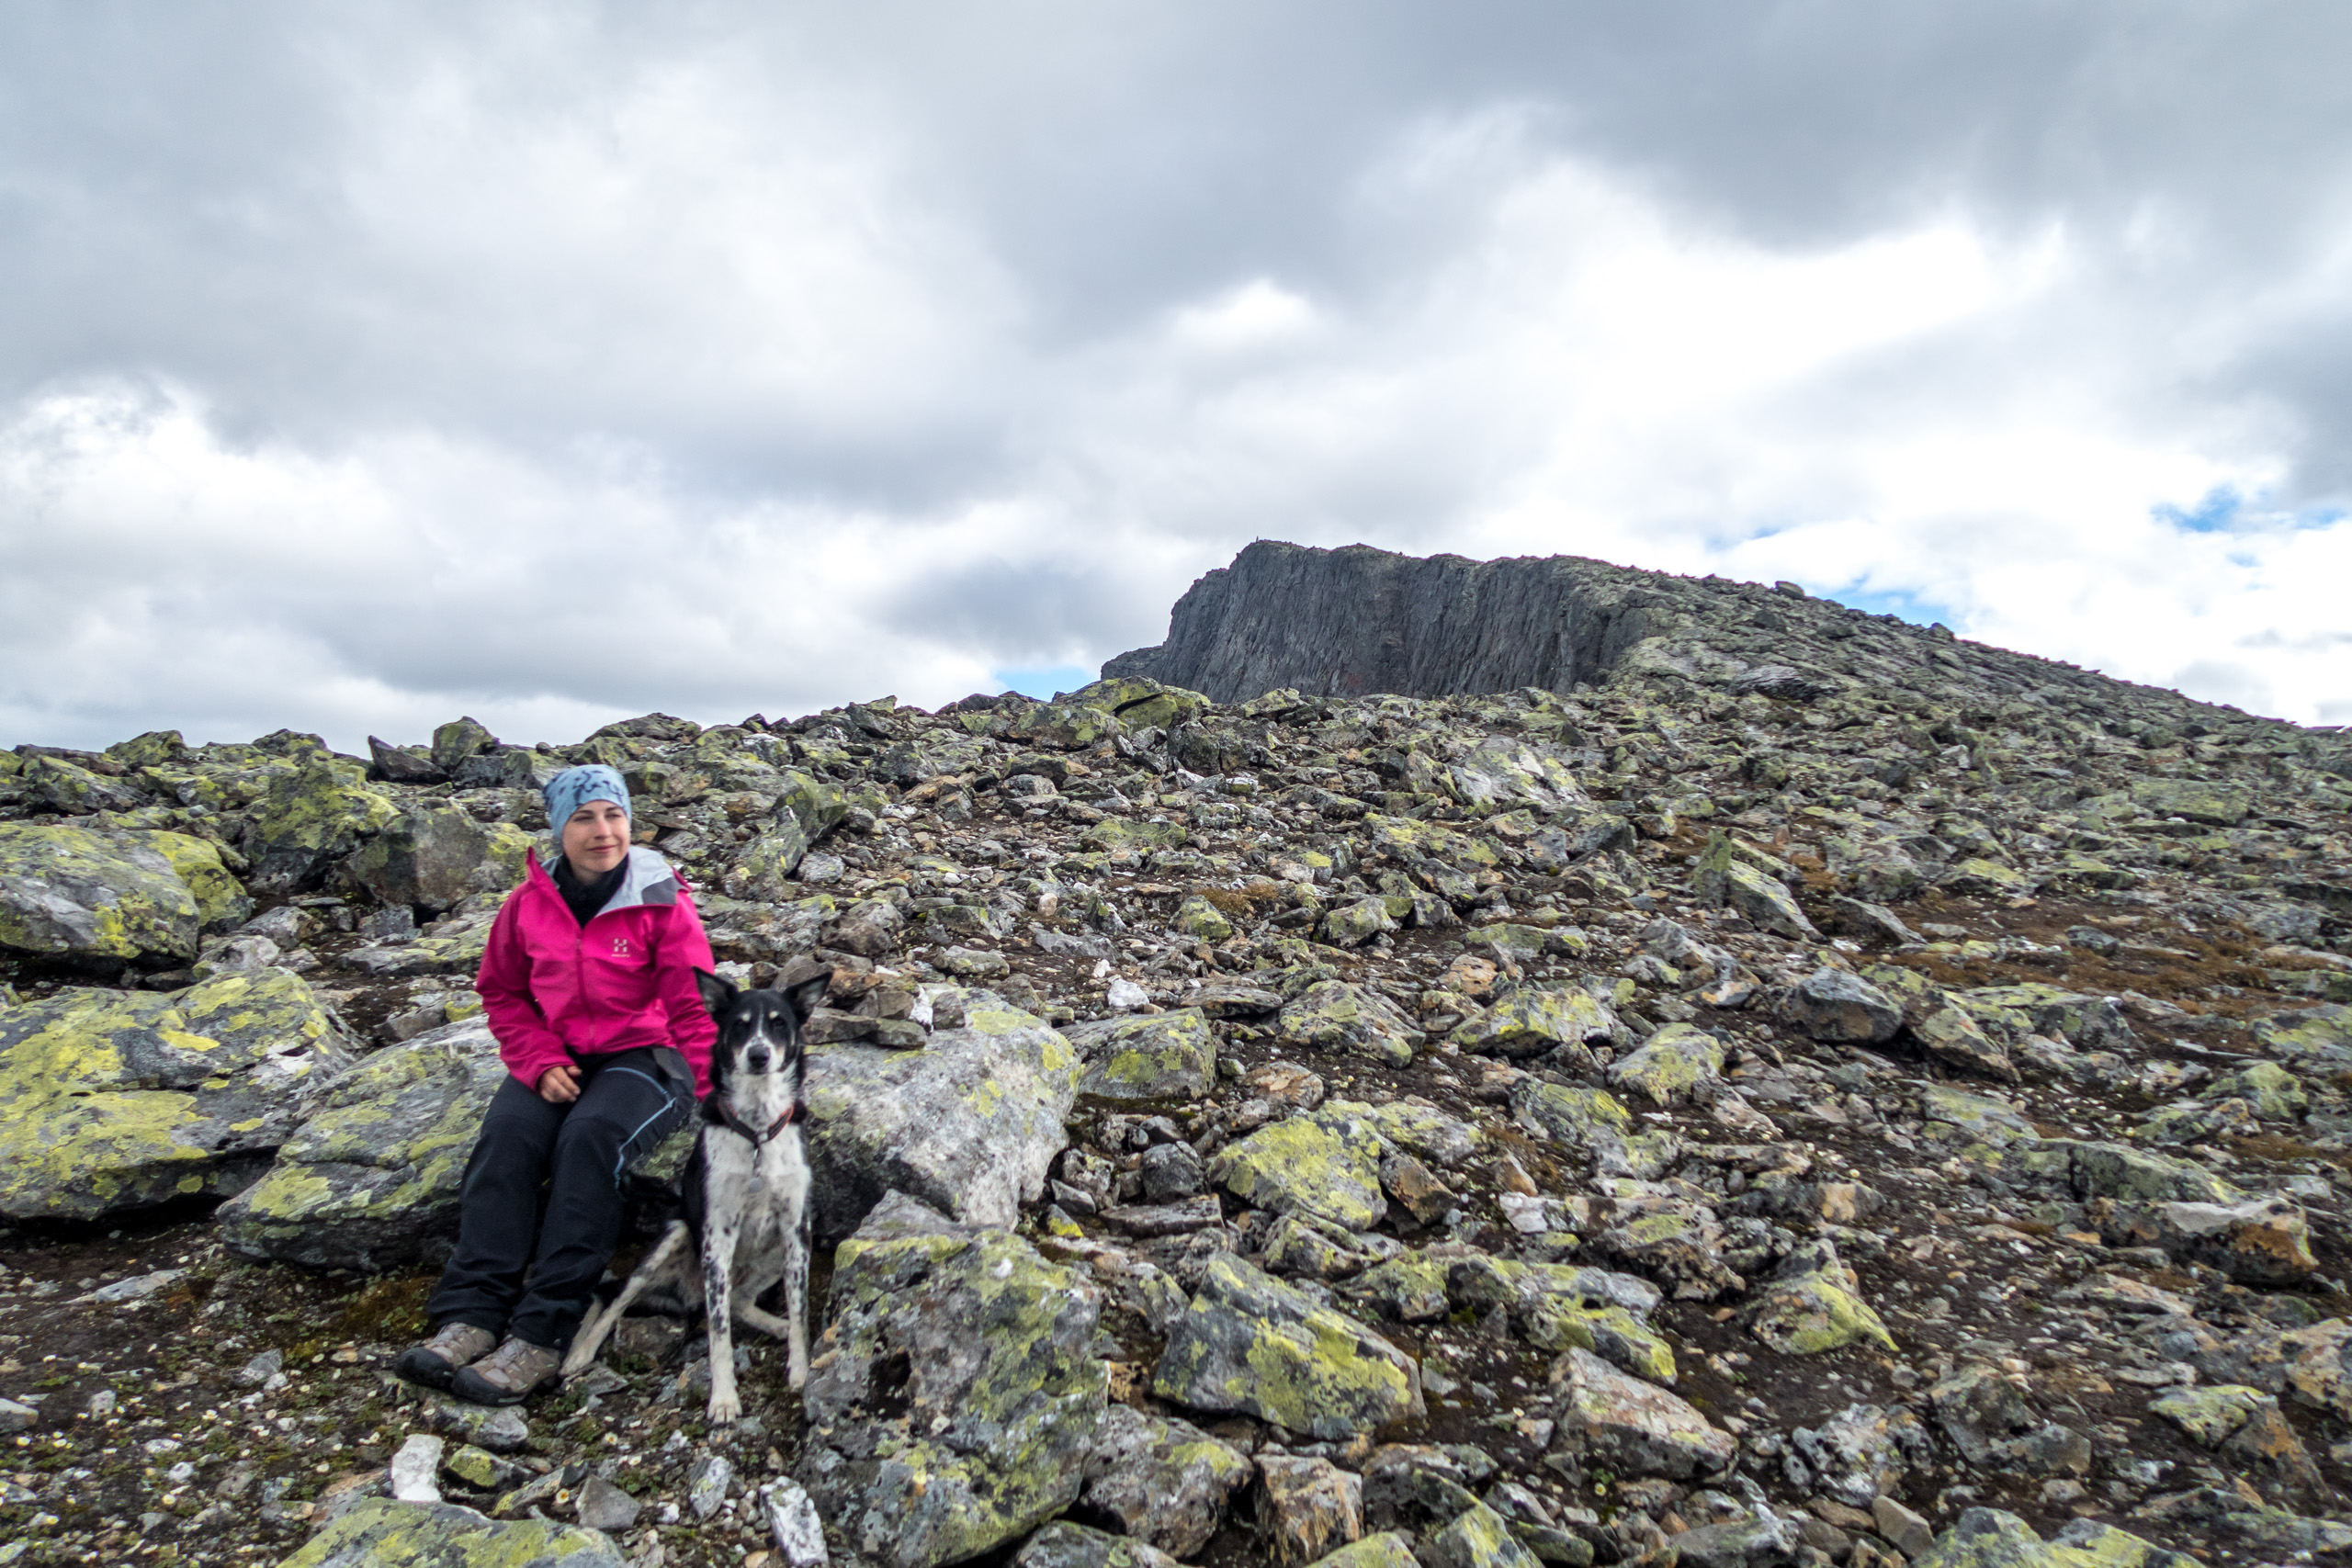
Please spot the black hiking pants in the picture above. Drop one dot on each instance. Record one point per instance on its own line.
(540, 1210)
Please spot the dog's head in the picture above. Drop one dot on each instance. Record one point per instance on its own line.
(759, 1031)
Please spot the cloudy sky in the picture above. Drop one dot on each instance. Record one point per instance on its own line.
(361, 365)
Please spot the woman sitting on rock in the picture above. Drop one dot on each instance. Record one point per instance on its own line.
(589, 984)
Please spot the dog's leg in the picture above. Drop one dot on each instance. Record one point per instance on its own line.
(717, 1291)
(796, 1295)
(766, 1322)
(591, 1338)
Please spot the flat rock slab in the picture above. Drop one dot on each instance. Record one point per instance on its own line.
(379, 1533)
(1164, 1480)
(114, 1101)
(1168, 1055)
(1632, 1427)
(71, 892)
(953, 1398)
(1251, 1344)
(1325, 1164)
(968, 1124)
(370, 1180)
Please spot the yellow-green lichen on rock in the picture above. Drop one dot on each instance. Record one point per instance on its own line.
(220, 899)
(113, 1100)
(1332, 1015)
(1251, 1344)
(93, 893)
(1325, 1164)
(380, 1533)
(983, 1432)
(968, 1124)
(434, 854)
(1814, 1302)
(310, 817)
(369, 1179)
(1672, 1066)
(1169, 1055)
(1991, 1538)
(1532, 1022)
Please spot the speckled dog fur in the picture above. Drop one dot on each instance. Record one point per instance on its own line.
(752, 1219)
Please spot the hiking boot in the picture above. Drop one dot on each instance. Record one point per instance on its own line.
(508, 1375)
(436, 1362)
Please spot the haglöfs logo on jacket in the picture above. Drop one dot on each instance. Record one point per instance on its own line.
(620, 947)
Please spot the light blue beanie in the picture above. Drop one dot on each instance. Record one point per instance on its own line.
(574, 787)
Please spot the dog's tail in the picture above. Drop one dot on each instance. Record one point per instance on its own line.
(591, 1337)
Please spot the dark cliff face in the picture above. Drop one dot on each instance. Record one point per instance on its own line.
(1357, 620)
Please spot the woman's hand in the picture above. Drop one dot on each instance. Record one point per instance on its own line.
(560, 1085)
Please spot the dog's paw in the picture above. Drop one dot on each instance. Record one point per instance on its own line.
(797, 1378)
(725, 1408)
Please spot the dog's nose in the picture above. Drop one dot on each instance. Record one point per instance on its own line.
(757, 1061)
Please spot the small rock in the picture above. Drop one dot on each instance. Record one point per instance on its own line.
(605, 1507)
(707, 1485)
(793, 1525)
(413, 1470)
(1170, 1171)
(1311, 1505)
(1840, 1006)
(1909, 1532)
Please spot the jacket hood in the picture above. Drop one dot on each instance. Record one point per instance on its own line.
(649, 880)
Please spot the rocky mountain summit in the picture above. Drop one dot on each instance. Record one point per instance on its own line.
(1770, 1086)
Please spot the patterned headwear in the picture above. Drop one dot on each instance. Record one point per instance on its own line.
(574, 787)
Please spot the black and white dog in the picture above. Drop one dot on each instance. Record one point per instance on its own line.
(747, 1191)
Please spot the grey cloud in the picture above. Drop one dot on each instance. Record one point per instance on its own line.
(836, 273)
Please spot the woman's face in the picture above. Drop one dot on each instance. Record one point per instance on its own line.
(596, 839)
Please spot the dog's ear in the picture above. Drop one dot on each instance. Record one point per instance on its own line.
(718, 992)
(809, 995)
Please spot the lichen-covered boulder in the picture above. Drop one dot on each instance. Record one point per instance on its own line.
(112, 1101)
(98, 894)
(1332, 1015)
(1326, 1165)
(310, 817)
(1593, 1126)
(1839, 1005)
(434, 854)
(380, 1533)
(1165, 1482)
(1814, 1302)
(370, 1180)
(1532, 1023)
(2117, 1170)
(2315, 1040)
(2218, 804)
(1168, 1055)
(222, 902)
(953, 1400)
(1197, 919)
(1723, 879)
(1610, 1421)
(1065, 1545)
(1989, 1538)
(1251, 1344)
(2262, 1241)
(968, 1124)
(1674, 1065)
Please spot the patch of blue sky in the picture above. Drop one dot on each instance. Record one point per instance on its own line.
(2225, 508)
(1901, 603)
(1045, 681)
(2217, 511)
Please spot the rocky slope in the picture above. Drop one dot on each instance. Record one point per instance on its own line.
(1801, 1097)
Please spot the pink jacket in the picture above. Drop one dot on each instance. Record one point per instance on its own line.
(557, 991)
